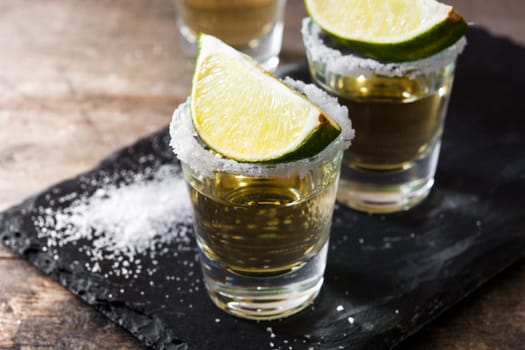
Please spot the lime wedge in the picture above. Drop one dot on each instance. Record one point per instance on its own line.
(244, 113)
(389, 30)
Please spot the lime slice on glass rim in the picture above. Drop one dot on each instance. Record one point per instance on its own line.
(389, 30)
(242, 112)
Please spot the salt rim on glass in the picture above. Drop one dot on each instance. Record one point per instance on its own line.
(350, 64)
(186, 146)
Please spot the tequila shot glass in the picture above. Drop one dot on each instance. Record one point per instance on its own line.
(262, 228)
(254, 27)
(398, 111)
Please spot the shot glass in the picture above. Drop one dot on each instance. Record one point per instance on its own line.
(254, 27)
(262, 229)
(398, 111)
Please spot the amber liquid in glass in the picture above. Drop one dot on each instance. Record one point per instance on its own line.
(261, 226)
(237, 22)
(399, 122)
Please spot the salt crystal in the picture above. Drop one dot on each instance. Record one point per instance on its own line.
(122, 222)
(351, 320)
(340, 308)
(352, 65)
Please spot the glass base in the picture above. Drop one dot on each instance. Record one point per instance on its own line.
(383, 199)
(265, 298)
(388, 191)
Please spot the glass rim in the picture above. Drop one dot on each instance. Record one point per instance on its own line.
(190, 151)
(347, 64)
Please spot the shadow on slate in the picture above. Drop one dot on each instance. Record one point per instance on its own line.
(387, 276)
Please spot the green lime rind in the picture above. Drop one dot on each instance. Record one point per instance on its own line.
(435, 39)
(316, 142)
(320, 138)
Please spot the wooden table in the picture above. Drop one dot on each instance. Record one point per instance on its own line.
(79, 79)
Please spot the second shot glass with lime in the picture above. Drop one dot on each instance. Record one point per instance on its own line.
(392, 63)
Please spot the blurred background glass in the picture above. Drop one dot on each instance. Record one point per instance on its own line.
(254, 27)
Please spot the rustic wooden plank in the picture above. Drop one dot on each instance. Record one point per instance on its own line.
(64, 48)
(52, 139)
(74, 87)
(36, 313)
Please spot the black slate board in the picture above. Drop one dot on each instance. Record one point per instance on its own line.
(387, 275)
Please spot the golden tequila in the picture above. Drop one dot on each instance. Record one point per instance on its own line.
(262, 226)
(398, 119)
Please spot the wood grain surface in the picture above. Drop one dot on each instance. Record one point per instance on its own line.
(80, 79)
